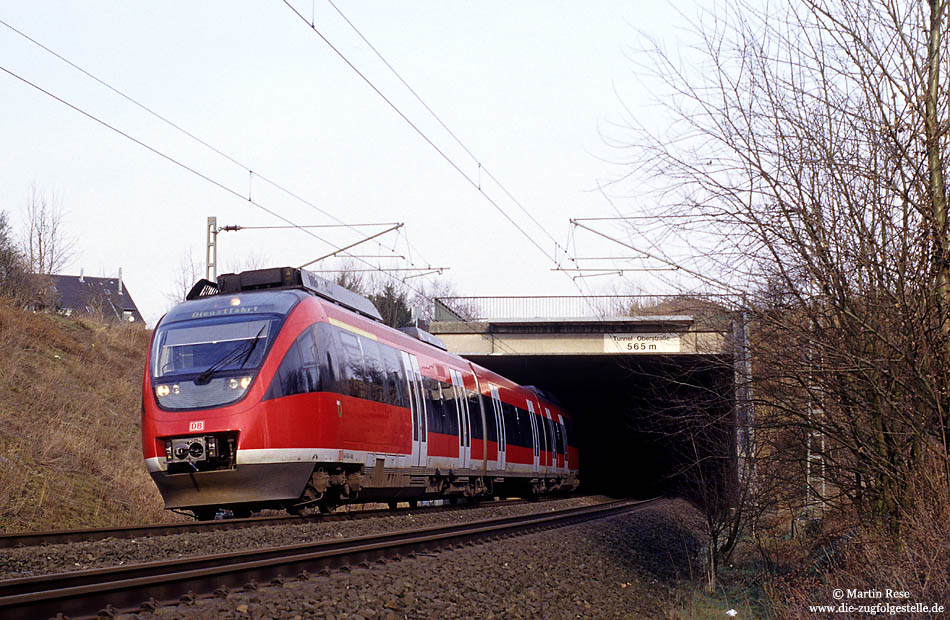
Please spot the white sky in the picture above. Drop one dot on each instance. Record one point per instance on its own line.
(529, 87)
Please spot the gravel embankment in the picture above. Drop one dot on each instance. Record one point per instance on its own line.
(621, 567)
(44, 559)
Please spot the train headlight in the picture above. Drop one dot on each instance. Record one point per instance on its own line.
(162, 391)
(242, 382)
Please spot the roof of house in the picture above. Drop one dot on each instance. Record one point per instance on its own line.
(85, 293)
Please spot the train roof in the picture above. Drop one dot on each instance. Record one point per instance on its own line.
(287, 278)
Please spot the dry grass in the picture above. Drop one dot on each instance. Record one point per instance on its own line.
(70, 445)
(915, 559)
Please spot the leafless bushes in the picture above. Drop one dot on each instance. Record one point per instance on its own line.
(805, 163)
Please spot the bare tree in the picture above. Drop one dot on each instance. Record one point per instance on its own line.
(253, 259)
(46, 245)
(14, 278)
(805, 164)
(189, 271)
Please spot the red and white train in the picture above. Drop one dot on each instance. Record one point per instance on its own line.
(276, 388)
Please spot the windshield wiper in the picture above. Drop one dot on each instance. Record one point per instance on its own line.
(245, 349)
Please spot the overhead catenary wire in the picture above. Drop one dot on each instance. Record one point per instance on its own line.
(182, 130)
(454, 136)
(185, 167)
(220, 185)
(472, 181)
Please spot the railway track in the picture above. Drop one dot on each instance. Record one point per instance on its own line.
(126, 588)
(30, 539)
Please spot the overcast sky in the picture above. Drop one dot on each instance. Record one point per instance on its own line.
(529, 88)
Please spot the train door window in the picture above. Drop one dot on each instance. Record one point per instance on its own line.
(499, 411)
(423, 434)
(464, 432)
(548, 431)
(373, 370)
(414, 406)
(461, 407)
(543, 432)
(533, 428)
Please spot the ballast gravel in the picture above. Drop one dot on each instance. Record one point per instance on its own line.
(620, 567)
(48, 559)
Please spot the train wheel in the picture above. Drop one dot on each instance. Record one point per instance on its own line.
(393, 505)
(241, 513)
(413, 503)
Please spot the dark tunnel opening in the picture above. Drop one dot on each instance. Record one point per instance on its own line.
(646, 425)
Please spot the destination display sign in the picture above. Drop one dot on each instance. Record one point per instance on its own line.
(642, 343)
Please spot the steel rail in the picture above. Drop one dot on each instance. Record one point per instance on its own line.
(125, 588)
(55, 537)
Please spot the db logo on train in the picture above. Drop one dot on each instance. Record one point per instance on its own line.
(196, 426)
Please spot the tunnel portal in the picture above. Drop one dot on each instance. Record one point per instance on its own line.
(635, 386)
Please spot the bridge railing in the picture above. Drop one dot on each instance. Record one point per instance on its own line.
(553, 306)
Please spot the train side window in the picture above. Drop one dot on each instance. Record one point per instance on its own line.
(309, 356)
(558, 439)
(569, 429)
(433, 404)
(450, 410)
(291, 372)
(475, 414)
(326, 355)
(351, 365)
(373, 371)
(491, 430)
(512, 430)
(395, 381)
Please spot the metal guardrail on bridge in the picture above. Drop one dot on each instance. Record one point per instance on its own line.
(555, 306)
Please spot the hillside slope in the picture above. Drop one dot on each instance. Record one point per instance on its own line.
(70, 448)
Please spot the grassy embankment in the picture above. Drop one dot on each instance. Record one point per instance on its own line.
(70, 447)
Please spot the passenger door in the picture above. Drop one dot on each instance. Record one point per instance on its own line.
(418, 408)
(461, 406)
(500, 423)
(534, 434)
(552, 444)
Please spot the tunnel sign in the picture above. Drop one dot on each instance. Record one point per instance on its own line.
(642, 343)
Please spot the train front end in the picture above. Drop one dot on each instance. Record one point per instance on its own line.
(205, 441)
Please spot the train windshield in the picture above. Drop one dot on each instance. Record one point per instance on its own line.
(211, 346)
